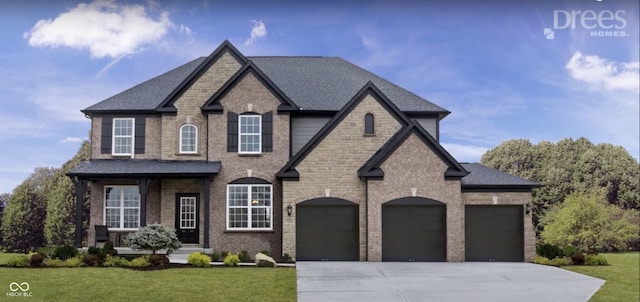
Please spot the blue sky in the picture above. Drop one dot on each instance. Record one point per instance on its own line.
(540, 70)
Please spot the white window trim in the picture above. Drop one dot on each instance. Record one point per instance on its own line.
(196, 141)
(249, 207)
(259, 134)
(133, 137)
(104, 208)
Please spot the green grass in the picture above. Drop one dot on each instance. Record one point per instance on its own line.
(622, 276)
(174, 284)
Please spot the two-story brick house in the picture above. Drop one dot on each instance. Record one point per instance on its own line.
(310, 156)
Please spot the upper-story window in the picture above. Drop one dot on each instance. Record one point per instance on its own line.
(123, 134)
(188, 139)
(250, 134)
(369, 125)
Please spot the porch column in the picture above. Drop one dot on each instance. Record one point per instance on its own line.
(80, 185)
(206, 191)
(143, 188)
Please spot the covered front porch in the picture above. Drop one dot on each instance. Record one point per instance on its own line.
(128, 193)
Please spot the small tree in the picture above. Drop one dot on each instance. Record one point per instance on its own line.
(153, 237)
(590, 224)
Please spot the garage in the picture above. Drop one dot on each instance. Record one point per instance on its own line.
(413, 229)
(494, 233)
(327, 230)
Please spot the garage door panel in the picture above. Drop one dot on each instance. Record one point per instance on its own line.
(494, 233)
(413, 233)
(327, 232)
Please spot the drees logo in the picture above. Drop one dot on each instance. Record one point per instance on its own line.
(19, 290)
(605, 23)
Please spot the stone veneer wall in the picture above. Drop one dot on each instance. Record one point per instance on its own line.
(188, 107)
(415, 166)
(332, 167)
(249, 95)
(508, 198)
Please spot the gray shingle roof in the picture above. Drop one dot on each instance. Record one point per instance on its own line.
(328, 83)
(148, 168)
(481, 175)
(147, 95)
(312, 83)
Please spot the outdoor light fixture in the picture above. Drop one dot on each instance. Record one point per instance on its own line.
(527, 208)
(289, 210)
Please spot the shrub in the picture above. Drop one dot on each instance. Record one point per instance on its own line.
(541, 260)
(215, 257)
(595, 260)
(199, 260)
(54, 262)
(569, 250)
(549, 251)
(577, 258)
(19, 261)
(107, 249)
(561, 261)
(266, 252)
(113, 261)
(158, 260)
(223, 254)
(244, 256)
(286, 258)
(153, 237)
(100, 253)
(231, 260)
(45, 251)
(65, 252)
(141, 261)
(92, 260)
(36, 260)
(73, 262)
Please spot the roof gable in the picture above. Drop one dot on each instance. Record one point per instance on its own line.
(213, 104)
(167, 104)
(371, 169)
(289, 170)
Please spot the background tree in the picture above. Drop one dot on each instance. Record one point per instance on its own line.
(4, 198)
(23, 217)
(59, 225)
(589, 223)
(569, 166)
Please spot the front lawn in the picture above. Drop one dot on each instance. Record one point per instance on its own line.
(174, 284)
(622, 276)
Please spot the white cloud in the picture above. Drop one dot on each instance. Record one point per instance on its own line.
(465, 153)
(600, 72)
(259, 30)
(105, 28)
(72, 140)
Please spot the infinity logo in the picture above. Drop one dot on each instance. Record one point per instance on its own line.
(14, 286)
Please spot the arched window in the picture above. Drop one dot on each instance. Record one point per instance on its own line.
(188, 138)
(369, 127)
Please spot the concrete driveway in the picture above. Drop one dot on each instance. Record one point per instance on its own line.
(469, 281)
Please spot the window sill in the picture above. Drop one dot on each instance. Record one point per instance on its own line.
(188, 154)
(248, 231)
(250, 154)
(369, 135)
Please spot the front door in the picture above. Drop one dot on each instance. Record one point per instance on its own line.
(187, 218)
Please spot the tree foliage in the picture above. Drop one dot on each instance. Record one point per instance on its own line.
(23, 218)
(153, 237)
(569, 166)
(41, 210)
(59, 225)
(589, 223)
(4, 198)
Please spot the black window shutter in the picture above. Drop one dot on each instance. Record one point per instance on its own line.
(267, 132)
(105, 136)
(232, 132)
(139, 135)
